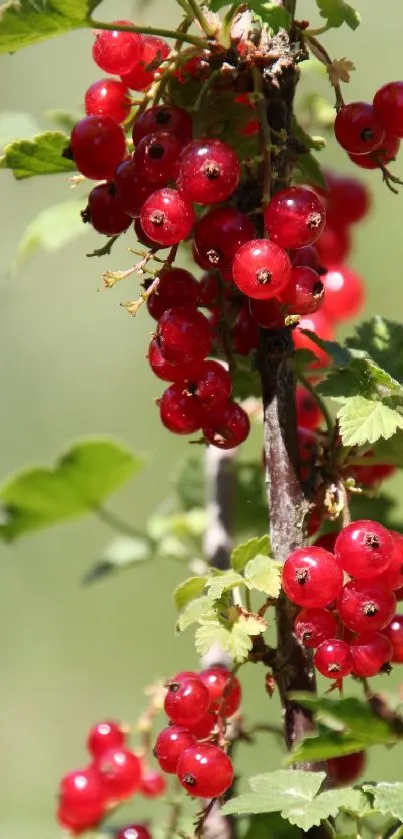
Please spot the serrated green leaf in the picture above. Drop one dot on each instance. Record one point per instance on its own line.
(242, 554)
(308, 171)
(263, 574)
(30, 21)
(387, 798)
(337, 12)
(42, 155)
(194, 611)
(361, 376)
(235, 638)
(382, 340)
(187, 591)
(223, 582)
(271, 15)
(120, 555)
(51, 230)
(364, 421)
(81, 479)
(349, 799)
(286, 791)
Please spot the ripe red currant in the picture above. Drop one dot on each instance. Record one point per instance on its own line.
(184, 335)
(104, 211)
(333, 659)
(152, 784)
(358, 129)
(219, 234)
(304, 294)
(267, 313)
(312, 577)
(319, 323)
(295, 217)
(157, 156)
(187, 700)
(180, 412)
(388, 104)
(176, 287)
(211, 384)
(209, 171)
(205, 771)
(309, 414)
(393, 576)
(344, 293)
(82, 793)
(98, 145)
(315, 625)
(334, 244)
(202, 729)
(108, 97)
(348, 199)
(306, 256)
(131, 189)
(346, 769)
(134, 831)
(115, 51)
(228, 427)
(370, 652)
(373, 473)
(76, 822)
(163, 118)
(364, 548)
(120, 770)
(164, 369)
(261, 268)
(170, 745)
(153, 50)
(366, 606)
(167, 217)
(224, 690)
(245, 333)
(394, 631)
(104, 736)
(386, 152)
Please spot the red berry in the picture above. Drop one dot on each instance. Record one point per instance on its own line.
(208, 290)
(176, 287)
(305, 291)
(346, 769)
(153, 51)
(157, 156)
(348, 199)
(134, 831)
(267, 313)
(82, 794)
(366, 606)
(315, 625)
(386, 152)
(209, 171)
(358, 129)
(219, 234)
(202, 729)
(167, 217)
(327, 541)
(120, 770)
(245, 333)
(131, 190)
(152, 784)
(187, 701)
(333, 659)
(229, 426)
(309, 414)
(142, 236)
(166, 118)
(164, 369)
(295, 217)
(261, 269)
(370, 652)
(211, 384)
(180, 412)
(104, 736)
(319, 323)
(98, 145)
(116, 52)
(306, 256)
(77, 822)
(184, 335)
(170, 745)
(205, 771)
(108, 97)
(312, 577)
(334, 244)
(308, 443)
(394, 631)
(224, 690)
(196, 67)
(104, 211)
(364, 548)
(393, 576)
(371, 474)
(388, 104)
(344, 293)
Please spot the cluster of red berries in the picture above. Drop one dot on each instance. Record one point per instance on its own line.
(114, 774)
(371, 134)
(198, 706)
(351, 624)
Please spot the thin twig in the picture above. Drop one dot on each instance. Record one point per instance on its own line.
(208, 30)
(265, 138)
(149, 30)
(116, 523)
(323, 56)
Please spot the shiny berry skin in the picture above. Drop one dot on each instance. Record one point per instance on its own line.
(108, 97)
(211, 384)
(315, 625)
(333, 659)
(349, 200)
(168, 118)
(153, 51)
(393, 576)
(180, 412)
(373, 473)
(344, 293)
(184, 335)
(176, 287)
(205, 771)
(228, 427)
(309, 414)
(104, 736)
(261, 269)
(98, 145)
(334, 244)
(370, 652)
(306, 256)
(394, 631)
(219, 235)
(364, 548)
(202, 729)
(267, 313)
(133, 831)
(120, 770)
(157, 156)
(312, 577)
(153, 784)
(304, 294)
(104, 211)
(131, 189)
(164, 369)
(224, 690)
(187, 701)
(245, 333)
(366, 606)
(209, 171)
(358, 129)
(81, 793)
(167, 217)
(344, 770)
(386, 152)
(76, 822)
(209, 290)
(170, 745)
(388, 104)
(295, 217)
(116, 52)
(319, 323)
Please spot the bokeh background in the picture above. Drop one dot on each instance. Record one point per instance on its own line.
(72, 364)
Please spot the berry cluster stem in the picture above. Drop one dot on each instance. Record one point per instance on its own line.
(148, 30)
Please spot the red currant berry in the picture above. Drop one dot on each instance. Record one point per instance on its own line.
(224, 689)
(202, 729)
(164, 369)
(372, 474)
(313, 626)
(176, 287)
(305, 292)
(166, 118)
(167, 217)
(184, 335)
(357, 128)
(120, 770)
(81, 793)
(170, 745)
(209, 290)
(348, 199)
(319, 323)
(156, 157)
(366, 606)
(115, 51)
(333, 659)
(267, 313)
(108, 97)
(152, 784)
(309, 414)
(195, 68)
(245, 333)
(205, 771)
(104, 736)
(388, 104)
(77, 822)
(261, 269)
(393, 576)
(104, 211)
(394, 631)
(307, 256)
(344, 770)
(370, 652)
(142, 236)
(134, 831)
(209, 171)
(334, 245)
(219, 234)
(98, 145)
(187, 701)
(344, 293)
(312, 577)
(364, 548)
(153, 50)
(229, 426)
(211, 384)
(386, 152)
(131, 190)
(180, 412)
(295, 217)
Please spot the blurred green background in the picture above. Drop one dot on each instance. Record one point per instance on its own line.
(72, 363)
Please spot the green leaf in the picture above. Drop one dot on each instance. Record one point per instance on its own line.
(337, 12)
(361, 376)
(51, 230)
(81, 479)
(382, 508)
(242, 554)
(387, 798)
(364, 421)
(14, 125)
(390, 451)
(340, 355)
(382, 340)
(270, 826)
(216, 5)
(271, 15)
(30, 21)
(223, 582)
(235, 638)
(308, 171)
(263, 574)
(194, 611)
(120, 555)
(188, 590)
(40, 156)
